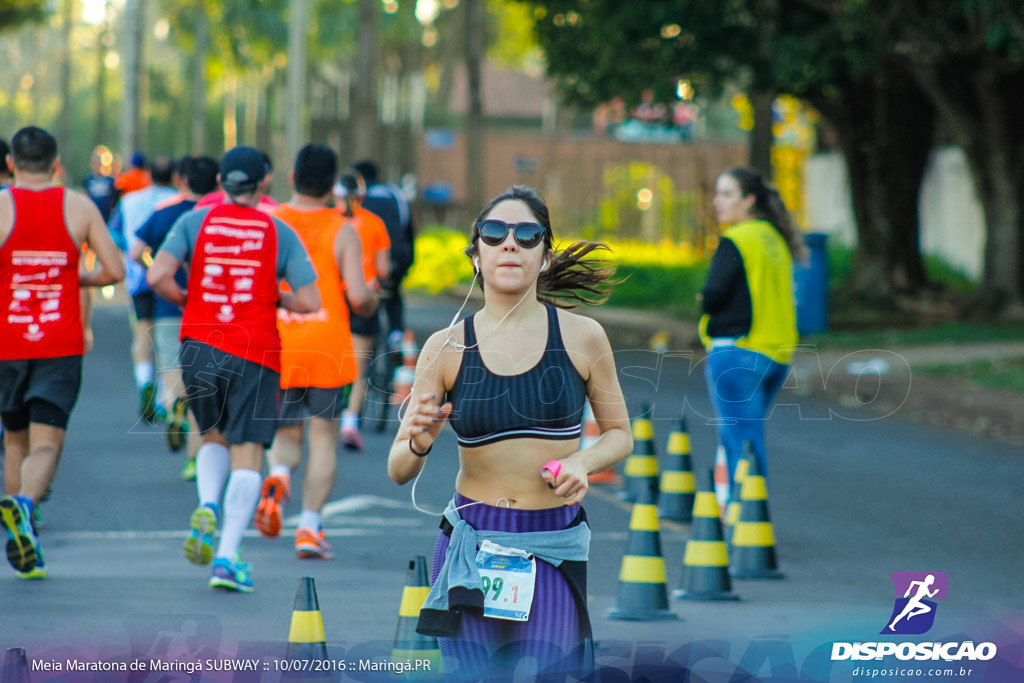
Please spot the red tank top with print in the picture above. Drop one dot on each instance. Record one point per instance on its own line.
(39, 291)
(232, 286)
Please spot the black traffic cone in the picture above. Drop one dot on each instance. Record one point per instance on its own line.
(643, 595)
(675, 502)
(411, 646)
(734, 504)
(752, 554)
(16, 666)
(706, 559)
(641, 468)
(306, 636)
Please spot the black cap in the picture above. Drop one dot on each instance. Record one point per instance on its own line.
(242, 169)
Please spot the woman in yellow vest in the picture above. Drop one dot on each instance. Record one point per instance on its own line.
(749, 321)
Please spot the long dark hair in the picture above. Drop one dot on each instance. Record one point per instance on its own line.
(570, 278)
(768, 205)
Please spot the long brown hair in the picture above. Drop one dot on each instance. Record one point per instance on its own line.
(768, 205)
(571, 278)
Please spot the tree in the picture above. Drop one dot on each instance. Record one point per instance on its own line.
(14, 13)
(827, 52)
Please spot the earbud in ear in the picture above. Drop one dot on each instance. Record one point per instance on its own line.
(544, 265)
(476, 263)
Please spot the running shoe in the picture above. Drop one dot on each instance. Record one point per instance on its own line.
(310, 545)
(147, 403)
(351, 439)
(177, 425)
(37, 572)
(22, 545)
(234, 576)
(199, 544)
(188, 470)
(276, 489)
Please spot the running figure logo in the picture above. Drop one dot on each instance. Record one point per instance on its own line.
(914, 612)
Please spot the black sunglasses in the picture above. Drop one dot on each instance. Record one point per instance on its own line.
(493, 232)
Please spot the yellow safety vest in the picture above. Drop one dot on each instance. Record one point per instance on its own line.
(769, 269)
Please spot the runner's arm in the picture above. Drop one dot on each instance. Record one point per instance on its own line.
(160, 277)
(348, 253)
(100, 242)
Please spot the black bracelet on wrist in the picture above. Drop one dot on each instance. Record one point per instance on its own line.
(417, 453)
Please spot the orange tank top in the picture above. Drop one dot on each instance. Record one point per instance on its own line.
(316, 348)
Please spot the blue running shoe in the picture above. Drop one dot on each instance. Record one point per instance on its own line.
(22, 546)
(233, 576)
(199, 544)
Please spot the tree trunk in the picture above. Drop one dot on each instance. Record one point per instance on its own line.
(133, 13)
(761, 137)
(984, 112)
(476, 28)
(886, 131)
(295, 117)
(64, 124)
(202, 37)
(364, 100)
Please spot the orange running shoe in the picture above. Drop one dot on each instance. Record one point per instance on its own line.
(276, 489)
(310, 545)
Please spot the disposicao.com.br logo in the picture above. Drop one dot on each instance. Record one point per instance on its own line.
(914, 614)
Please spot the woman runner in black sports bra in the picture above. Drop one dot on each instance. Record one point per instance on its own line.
(517, 373)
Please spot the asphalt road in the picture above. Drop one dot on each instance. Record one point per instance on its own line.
(853, 497)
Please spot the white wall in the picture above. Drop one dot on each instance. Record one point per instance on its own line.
(952, 220)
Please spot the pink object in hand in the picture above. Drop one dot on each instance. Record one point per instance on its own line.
(554, 467)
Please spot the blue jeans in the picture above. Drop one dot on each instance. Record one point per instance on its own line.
(742, 385)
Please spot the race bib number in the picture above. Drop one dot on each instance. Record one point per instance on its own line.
(507, 577)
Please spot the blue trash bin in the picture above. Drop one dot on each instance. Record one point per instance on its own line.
(810, 287)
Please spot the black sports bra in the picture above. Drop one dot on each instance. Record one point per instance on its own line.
(545, 402)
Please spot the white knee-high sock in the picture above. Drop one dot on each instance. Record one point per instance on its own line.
(240, 499)
(213, 463)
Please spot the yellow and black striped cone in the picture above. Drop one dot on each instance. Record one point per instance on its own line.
(643, 594)
(411, 646)
(676, 498)
(641, 468)
(734, 505)
(752, 554)
(15, 666)
(306, 636)
(706, 559)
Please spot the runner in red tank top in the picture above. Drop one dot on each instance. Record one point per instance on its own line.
(230, 351)
(42, 229)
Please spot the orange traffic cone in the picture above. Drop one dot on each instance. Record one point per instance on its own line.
(677, 485)
(752, 555)
(641, 467)
(590, 435)
(306, 636)
(409, 645)
(722, 482)
(15, 666)
(733, 507)
(706, 559)
(643, 595)
(406, 372)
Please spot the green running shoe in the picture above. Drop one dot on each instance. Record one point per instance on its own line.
(188, 470)
(199, 544)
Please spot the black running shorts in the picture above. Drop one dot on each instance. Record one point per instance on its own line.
(298, 403)
(40, 390)
(228, 393)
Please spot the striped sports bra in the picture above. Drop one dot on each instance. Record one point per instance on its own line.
(545, 402)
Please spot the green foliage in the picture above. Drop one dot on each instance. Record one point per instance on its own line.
(1004, 374)
(666, 289)
(14, 13)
